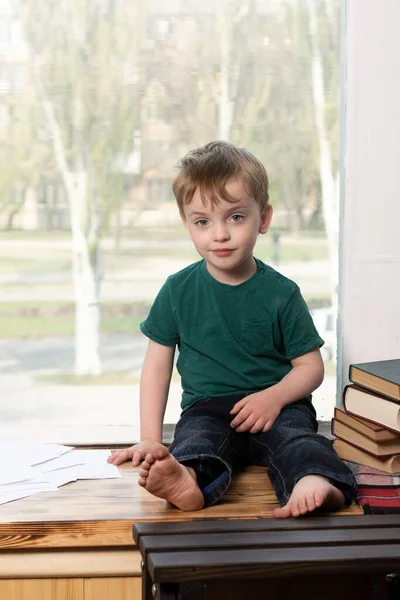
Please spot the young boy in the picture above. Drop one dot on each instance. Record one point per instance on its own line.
(249, 355)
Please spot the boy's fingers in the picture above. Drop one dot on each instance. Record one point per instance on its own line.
(240, 417)
(238, 406)
(246, 425)
(258, 426)
(120, 457)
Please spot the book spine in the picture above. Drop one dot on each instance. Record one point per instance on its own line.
(371, 389)
(346, 387)
(376, 423)
(383, 457)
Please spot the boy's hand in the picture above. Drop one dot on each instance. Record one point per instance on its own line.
(256, 412)
(137, 453)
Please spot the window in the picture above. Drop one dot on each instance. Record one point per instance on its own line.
(120, 92)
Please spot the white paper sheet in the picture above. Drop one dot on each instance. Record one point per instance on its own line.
(96, 466)
(29, 468)
(70, 459)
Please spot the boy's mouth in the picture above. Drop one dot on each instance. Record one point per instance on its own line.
(223, 251)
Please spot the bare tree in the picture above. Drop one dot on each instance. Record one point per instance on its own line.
(328, 171)
(81, 74)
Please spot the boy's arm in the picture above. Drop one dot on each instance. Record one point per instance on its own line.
(154, 387)
(306, 376)
(257, 412)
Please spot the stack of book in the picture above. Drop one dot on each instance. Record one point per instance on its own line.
(367, 427)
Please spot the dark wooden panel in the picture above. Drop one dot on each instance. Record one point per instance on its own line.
(316, 587)
(203, 565)
(336, 521)
(268, 539)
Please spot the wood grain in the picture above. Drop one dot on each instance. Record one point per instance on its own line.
(202, 565)
(19, 564)
(100, 513)
(42, 589)
(115, 588)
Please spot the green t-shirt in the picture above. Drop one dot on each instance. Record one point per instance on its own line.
(232, 339)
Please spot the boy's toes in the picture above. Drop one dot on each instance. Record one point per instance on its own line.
(284, 512)
(149, 459)
(294, 507)
(144, 469)
(311, 503)
(303, 507)
(319, 498)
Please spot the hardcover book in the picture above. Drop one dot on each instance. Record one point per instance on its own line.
(371, 406)
(373, 431)
(382, 376)
(356, 455)
(380, 449)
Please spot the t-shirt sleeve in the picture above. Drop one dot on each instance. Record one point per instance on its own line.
(160, 325)
(297, 326)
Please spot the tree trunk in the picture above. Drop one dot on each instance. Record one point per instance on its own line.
(328, 187)
(10, 219)
(225, 108)
(85, 249)
(87, 279)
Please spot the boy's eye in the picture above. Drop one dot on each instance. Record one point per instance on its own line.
(237, 218)
(202, 222)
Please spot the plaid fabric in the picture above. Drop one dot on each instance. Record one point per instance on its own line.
(378, 491)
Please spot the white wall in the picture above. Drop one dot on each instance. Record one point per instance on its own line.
(369, 285)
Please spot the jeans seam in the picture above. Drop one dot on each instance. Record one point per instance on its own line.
(272, 463)
(224, 442)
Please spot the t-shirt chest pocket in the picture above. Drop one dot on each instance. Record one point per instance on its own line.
(257, 338)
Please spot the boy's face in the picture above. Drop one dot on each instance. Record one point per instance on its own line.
(225, 235)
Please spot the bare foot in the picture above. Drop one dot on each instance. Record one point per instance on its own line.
(309, 493)
(166, 478)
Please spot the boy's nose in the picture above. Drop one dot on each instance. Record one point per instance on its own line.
(220, 233)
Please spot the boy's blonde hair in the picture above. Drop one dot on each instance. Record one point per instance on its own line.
(209, 168)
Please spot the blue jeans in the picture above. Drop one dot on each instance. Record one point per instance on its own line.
(291, 449)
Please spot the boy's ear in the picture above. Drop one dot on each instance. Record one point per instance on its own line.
(266, 218)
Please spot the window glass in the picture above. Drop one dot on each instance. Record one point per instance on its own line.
(98, 101)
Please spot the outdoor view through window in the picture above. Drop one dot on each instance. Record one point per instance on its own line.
(98, 101)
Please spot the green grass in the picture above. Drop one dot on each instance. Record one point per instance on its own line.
(54, 319)
(292, 252)
(32, 234)
(318, 301)
(30, 266)
(110, 378)
(26, 260)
